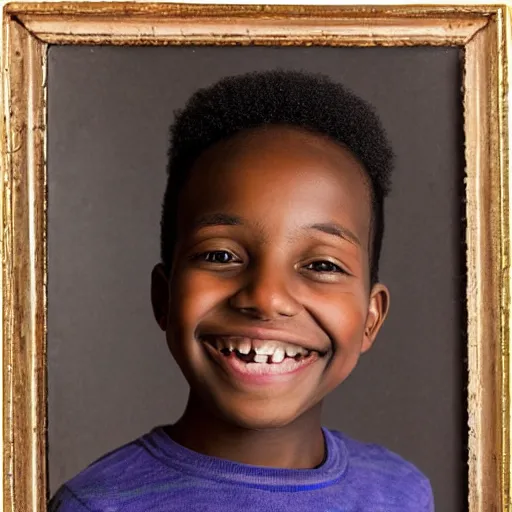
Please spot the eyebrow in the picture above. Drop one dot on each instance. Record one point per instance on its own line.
(331, 228)
(226, 219)
(217, 219)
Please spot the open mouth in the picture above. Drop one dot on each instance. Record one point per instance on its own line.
(258, 351)
(259, 358)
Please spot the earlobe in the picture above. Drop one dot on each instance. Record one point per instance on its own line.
(377, 311)
(160, 295)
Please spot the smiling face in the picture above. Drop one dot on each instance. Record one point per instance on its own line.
(269, 303)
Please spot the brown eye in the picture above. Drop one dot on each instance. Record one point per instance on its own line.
(324, 266)
(217, 257)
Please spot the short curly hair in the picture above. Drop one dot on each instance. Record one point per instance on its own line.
(308, 101)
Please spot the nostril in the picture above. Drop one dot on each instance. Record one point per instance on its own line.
(266, 300)
(253, 313)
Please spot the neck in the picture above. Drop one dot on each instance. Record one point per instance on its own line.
(299, 445)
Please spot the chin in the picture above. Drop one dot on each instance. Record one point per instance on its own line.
(253, 416)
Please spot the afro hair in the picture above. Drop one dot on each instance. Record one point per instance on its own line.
(311, 102)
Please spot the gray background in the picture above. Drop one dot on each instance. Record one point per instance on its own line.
(110, 376)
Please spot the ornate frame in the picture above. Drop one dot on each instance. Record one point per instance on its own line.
(484, 31)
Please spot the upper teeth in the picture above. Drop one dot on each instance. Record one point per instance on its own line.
(244, 346)
(274, 348)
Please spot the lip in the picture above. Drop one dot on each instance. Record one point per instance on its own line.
(260, 373)
(259, 333)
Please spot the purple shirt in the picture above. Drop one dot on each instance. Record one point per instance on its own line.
(156, 474)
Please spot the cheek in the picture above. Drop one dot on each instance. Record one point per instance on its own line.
(345, 324)
(350, 334)
(193, 296)
(343, 315)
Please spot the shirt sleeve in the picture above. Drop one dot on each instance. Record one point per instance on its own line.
(65, 501)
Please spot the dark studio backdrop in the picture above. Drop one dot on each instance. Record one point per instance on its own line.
(110, 376)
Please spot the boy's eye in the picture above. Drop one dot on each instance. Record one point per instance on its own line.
(324, 266)
(217, 257)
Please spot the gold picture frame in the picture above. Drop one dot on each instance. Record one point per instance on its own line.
(483, 31)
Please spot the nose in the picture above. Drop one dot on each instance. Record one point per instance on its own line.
(266, 295)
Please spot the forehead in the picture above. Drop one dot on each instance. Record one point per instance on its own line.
(282, 177)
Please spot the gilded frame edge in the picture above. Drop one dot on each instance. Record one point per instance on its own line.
(27, 29)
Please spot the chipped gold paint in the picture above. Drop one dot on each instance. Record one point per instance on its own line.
(484, 31)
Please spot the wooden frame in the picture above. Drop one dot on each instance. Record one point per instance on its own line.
(28, 28)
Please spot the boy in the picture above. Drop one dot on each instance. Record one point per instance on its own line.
(268, 293)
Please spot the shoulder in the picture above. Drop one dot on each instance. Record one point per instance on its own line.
(66, 501)
(386, 476)
(125, 473)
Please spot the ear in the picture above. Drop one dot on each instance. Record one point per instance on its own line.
(377, 311)
(160, 295)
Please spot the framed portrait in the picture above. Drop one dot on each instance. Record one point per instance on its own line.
(89, 90)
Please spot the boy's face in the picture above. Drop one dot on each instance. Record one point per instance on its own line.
(272, 257)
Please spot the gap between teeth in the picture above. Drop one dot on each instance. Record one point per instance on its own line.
(277, 357)
(262, 351)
